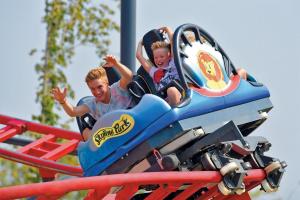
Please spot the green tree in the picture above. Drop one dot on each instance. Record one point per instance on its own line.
(69, 23)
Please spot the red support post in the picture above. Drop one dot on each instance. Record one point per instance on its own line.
(39, 153)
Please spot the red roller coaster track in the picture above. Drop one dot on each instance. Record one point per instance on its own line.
(44, 153)
(168, 182)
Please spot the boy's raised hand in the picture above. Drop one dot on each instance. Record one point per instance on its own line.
(168, 31)
(59, 95)
(111, 61)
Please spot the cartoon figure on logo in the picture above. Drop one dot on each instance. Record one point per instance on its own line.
(211, 70)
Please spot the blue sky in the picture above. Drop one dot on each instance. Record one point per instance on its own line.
(263, 36)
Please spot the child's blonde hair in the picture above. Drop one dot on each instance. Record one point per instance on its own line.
(160, 44)
(96, 73)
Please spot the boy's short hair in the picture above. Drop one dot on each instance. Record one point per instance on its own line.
(160, 44)
(96, 73)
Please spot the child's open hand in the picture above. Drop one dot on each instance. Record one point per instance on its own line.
(165, 29)
(111, 61)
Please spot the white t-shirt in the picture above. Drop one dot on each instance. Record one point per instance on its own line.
(163, 76)
(119, 99)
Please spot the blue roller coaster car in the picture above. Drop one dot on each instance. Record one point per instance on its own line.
(208, 130)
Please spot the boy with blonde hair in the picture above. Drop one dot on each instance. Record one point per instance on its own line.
(105, 98)
(165, 71)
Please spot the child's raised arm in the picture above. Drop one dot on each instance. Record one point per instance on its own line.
(140, 57)
(170, 34)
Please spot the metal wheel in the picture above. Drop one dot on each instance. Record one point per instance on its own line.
(207, 163)
(240, 191)
(223, 189)
(273, 166)
(267, 187)
(232, 166)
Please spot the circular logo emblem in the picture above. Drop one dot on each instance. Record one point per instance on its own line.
(211, 70)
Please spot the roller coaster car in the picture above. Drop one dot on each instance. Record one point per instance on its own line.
(208, 130)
